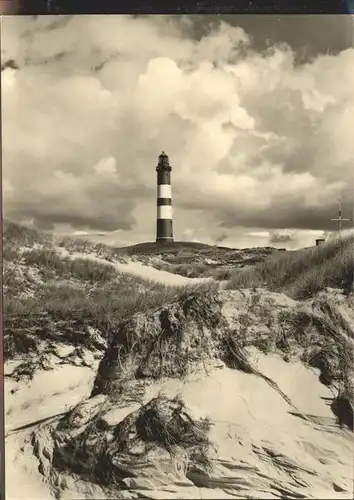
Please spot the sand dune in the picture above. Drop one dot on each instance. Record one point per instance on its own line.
(265, 447)
(272, 431)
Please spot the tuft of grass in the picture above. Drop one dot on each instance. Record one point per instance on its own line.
(85, 246)
(102, 451)
(166, 423)
(302, 273)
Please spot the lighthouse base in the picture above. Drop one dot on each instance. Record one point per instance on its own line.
(164, 241)
(164, 233)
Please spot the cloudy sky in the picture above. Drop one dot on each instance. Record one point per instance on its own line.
(256, 114)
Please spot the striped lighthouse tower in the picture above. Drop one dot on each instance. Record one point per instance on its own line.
(164, 231)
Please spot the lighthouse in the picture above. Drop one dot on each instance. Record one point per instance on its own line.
(164, 231)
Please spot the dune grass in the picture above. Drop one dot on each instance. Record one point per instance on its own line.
(64, 311)
(16, 236)
(100, 250)
(118, 300)
(51, 264)
(304, 272)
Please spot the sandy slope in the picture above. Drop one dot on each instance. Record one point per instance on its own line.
(48, 394)
(28, 405)
(252, 422)
(23, 479)
(141, 270)
(263, 448)
(151, 273)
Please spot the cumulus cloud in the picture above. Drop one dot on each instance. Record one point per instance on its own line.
(255, 140)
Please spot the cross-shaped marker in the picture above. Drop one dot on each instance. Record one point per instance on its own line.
(339, 219)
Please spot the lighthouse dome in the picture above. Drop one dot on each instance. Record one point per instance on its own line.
(163, 161)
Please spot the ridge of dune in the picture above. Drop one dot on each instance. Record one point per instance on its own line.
(145, 271)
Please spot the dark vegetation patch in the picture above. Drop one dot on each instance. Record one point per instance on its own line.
(164, 343)
(106, 453)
